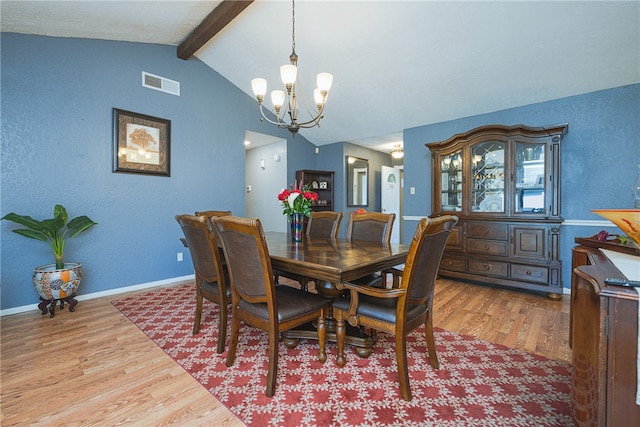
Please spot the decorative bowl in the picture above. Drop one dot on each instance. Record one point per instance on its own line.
(627, 220)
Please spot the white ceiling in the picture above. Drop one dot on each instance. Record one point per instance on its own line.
(396, 64)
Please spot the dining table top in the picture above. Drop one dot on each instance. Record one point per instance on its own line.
(334, 260)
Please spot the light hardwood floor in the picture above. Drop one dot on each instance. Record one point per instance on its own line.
(93, 367)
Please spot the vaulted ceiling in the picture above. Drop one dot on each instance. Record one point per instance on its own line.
(396, 64)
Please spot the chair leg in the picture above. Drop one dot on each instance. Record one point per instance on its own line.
(403, 372)
(273, 363)
(431, 344)
(198, 314)
(322, 334)
(222, 327)
(235, 329)
(340, 333)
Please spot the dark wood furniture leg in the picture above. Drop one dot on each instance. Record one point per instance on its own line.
(355, 337)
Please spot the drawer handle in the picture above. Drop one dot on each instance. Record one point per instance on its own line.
(487, 267)
(528, 273)
(486, 247)
(447, 262)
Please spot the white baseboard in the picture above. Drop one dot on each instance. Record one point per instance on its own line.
(116, 291)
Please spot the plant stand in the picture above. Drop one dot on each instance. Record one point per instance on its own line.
(44, 303)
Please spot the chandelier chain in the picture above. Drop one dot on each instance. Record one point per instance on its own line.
(293, 26)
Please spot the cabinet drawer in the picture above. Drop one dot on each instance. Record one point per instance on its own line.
(488, 247)
(530, 273)
(489, 268)
(488, 230)
(453, 263)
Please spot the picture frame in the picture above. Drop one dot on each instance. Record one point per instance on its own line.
(141, 143)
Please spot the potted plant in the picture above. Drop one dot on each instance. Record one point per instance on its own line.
(57, 281)
(296, 203)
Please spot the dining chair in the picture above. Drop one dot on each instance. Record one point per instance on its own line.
(212, 282)
(256, 300)
(400, 310)
(371, 226)
(321, 224)
(324, 224)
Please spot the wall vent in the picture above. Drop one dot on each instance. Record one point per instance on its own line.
(160, 83)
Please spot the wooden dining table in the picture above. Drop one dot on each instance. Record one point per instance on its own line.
(330, 263)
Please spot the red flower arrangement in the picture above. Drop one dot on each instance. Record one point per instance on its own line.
(297, 200)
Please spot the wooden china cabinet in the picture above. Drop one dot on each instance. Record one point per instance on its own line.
(503, 182)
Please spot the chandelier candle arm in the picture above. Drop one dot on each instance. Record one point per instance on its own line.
(291, 80)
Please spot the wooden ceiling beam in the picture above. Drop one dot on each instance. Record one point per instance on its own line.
(219, 18)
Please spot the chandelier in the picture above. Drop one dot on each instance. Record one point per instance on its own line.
(288, 103)
(397, 152)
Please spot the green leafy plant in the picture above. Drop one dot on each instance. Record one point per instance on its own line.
(56, 231)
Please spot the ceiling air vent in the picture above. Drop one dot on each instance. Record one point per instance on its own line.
(160, 83)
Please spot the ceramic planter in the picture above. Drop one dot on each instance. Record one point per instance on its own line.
(57, 285)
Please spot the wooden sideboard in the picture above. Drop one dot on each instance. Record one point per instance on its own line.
(604, 340)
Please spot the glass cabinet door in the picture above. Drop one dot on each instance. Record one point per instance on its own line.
(487, 173)
(530, 178)
(451, 179)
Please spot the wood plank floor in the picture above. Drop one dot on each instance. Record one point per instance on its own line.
(93, 367)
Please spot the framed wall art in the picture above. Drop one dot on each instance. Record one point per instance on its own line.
(141, 143)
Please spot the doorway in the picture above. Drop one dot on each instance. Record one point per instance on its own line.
(265, 177)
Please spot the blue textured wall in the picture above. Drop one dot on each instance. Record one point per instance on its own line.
(599, 161)
(57, 99)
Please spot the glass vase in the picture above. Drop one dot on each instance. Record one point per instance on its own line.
(297, 224)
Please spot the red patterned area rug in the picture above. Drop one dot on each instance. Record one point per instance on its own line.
(478, 383)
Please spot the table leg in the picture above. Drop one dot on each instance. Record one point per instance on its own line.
(354, 336)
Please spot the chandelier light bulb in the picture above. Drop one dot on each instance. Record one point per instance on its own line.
(277, 98)
(319, 97)
(324, 81)
(259, 87)
(288, 74)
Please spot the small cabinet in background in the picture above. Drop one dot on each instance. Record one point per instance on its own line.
(320, 182)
